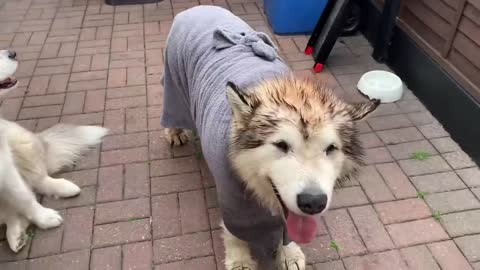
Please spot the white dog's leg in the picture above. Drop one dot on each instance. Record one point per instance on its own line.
(237, 253)
(176, 136)
(17, 232)
(19, 196)
(291, 257)
(56, 187)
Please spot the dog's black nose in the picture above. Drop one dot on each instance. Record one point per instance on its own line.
(12, 54)
(312, 203)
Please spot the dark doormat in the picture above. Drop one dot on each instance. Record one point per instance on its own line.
(130, 2)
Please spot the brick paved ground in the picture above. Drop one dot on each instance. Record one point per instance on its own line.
(146, 206)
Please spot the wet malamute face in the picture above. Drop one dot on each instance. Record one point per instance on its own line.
(292, 139)
(8, 66)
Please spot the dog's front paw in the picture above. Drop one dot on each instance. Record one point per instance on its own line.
(17, 237)
(16, 232)
(291, 257)
(176, 136)
(241, 265)
(47, 218)
(18, 242)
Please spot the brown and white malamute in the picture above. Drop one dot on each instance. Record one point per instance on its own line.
(287, 140)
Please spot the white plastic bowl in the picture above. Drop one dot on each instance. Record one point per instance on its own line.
(382, 85)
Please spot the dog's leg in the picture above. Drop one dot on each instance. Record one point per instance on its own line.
(237, 253)
(17, 232)
(56, 187)
(20, 197)
(291, 257)
(176, 136)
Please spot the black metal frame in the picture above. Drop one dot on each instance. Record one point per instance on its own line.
(386, 26)
(319, 26)
(331, 21)
(327, 30)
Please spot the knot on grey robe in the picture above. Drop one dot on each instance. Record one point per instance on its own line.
(259, 42)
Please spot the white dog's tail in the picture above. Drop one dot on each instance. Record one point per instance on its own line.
(65, 143)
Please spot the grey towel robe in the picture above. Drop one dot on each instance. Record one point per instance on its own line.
(207, 47)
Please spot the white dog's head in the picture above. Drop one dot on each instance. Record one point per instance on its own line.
(8, 66)
(291, 140)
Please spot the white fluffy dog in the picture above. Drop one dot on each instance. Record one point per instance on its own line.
(27, 160)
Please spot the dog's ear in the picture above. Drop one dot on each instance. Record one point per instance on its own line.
(360, 110)
(240, 102)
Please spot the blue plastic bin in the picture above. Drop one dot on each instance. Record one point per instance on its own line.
(293, 17)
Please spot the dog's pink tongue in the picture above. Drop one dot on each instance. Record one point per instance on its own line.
(301, 229)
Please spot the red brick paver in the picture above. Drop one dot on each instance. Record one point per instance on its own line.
(419, 258)
(144, 205)
(402, 210)
(449, 256)
(344, 233)
(416, 232)
(377, 261)
(371, 229)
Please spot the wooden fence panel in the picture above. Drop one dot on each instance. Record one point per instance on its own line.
(449, 31)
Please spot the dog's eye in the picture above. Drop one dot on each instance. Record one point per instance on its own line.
(330, 149)
(282, 146)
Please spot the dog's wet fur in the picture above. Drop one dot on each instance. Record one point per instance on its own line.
(294, 125)
(28, 160)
